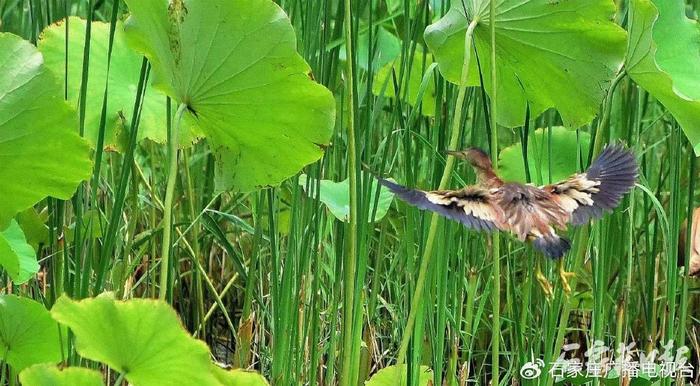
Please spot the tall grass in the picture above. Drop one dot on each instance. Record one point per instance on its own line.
(272, 281)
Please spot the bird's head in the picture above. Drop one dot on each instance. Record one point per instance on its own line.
(475, 156)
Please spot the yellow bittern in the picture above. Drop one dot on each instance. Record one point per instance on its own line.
(529, 212)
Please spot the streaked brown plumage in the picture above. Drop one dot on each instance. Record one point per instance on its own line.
(693, 268)
(531, 213)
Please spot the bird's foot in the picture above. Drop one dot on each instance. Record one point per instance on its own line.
(545, 284)
(564, 276)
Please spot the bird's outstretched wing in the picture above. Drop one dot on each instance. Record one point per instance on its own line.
(472, 206)
(589, 195)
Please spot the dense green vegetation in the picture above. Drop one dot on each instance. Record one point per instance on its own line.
(187, 189)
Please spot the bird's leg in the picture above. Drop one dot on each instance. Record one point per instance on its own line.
(564, 276)
(544, 283)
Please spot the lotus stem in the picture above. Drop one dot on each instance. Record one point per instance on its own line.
(496, 239)
(349, 373)
(173, 142)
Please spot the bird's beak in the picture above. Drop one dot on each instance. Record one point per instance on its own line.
(456, 153)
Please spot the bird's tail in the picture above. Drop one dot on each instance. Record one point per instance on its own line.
(552, 246)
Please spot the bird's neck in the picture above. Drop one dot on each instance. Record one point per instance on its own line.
(487, 178)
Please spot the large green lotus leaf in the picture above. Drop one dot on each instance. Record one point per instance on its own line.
(421, 61)
(140, 338)
(123, 81)
(40, 151)
(336, 197)
(238, 377)
(49, 375)
(16, 256)
(566, 149)
(396, 376)
(561, 54)
(234, 64)
(387, 47)
(664, 59)
(28, 335)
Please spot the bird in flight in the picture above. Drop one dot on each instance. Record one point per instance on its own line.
(531, 213)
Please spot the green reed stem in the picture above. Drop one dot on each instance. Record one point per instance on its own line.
(683, 315)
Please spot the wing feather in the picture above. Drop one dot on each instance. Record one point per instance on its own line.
(589, 195)
(472, 206)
